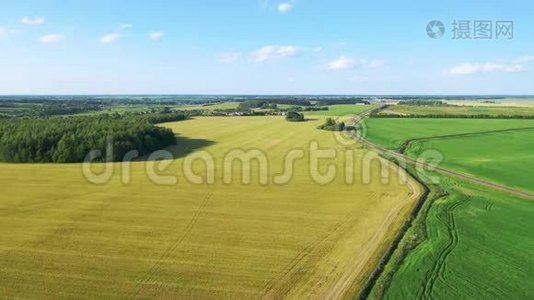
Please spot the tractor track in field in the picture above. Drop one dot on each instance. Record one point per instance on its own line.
(438, 269)
(148, 276)
(489, 205)
(276, 286)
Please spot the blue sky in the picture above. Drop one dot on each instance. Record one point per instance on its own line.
(260, 47)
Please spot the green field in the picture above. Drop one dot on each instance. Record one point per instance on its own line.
(338, 110)
(501, 157)
(479, 246)
(392, 133)
(459, 110)
(472, 243)
(64, 237)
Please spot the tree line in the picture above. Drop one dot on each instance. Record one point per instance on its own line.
(70, 139)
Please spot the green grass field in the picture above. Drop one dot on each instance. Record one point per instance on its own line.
(501, 157)
(64, 237)
(479, 246)
(392, 133)
(460, 110)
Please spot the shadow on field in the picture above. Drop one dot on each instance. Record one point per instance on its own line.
(183, 147)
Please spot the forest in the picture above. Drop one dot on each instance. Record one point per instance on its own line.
(70, 139)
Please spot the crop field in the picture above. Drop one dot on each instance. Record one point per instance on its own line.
(479, 246)
(460, 110)
(471, 236)
(487, 156)
(392, 133)
(65, 237)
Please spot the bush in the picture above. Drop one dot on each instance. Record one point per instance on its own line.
(331, 125)
(293, 116)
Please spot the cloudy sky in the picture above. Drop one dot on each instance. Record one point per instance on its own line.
(264, 47)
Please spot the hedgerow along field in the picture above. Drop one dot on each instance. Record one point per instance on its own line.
(479, 245)
(64, 236)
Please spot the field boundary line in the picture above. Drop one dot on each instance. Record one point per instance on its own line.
(410, 218)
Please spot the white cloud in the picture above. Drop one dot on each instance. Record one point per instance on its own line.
(110, 38)
(349, 63)
(285, 7)
(343, 63)
(32, 20)
(51, 38)
(156, 36)
(488, 67)
(261, 55)
(273, 52)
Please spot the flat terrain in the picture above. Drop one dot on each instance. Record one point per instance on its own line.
(479, 246)
(503, 157)
(392, 133)
(460, 110)
(476, 243)
(63, 237)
